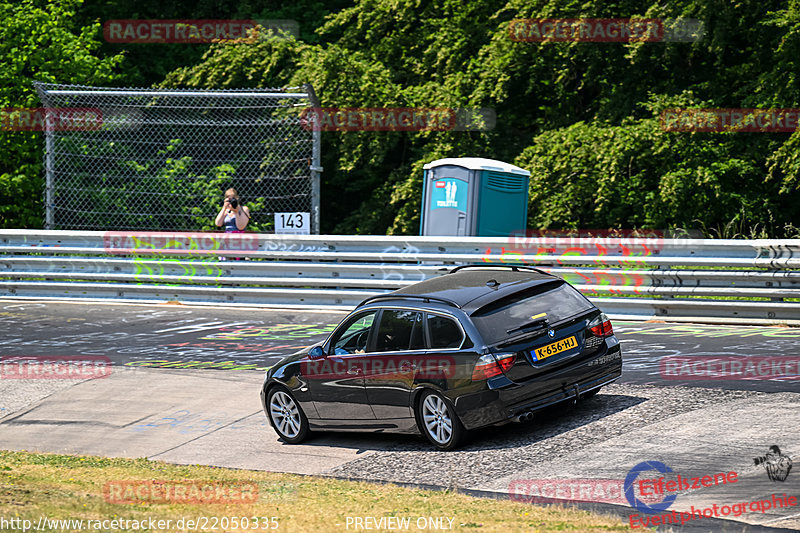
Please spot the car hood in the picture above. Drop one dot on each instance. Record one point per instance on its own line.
(291, 358)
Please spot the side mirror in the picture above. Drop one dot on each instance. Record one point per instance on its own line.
(316, 352)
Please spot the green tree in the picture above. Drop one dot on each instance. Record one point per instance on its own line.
(582, 116)
(148, 64)
(38, 41)
(636, 174)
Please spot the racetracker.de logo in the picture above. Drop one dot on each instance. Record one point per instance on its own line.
(582, 490)
(196, 31)
(601, 242)
(52, 119)
(724, 120)
(696, 367)
(379, 367)
(178, 243)
(167, 491)
(397, 119)
(597, 30)
(54, 367)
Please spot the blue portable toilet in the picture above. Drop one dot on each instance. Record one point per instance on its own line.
(474, 196)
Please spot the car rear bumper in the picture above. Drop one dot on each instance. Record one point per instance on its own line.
(493, 406)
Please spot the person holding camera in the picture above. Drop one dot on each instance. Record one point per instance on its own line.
(233, 215)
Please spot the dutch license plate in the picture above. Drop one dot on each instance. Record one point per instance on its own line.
(555, 348)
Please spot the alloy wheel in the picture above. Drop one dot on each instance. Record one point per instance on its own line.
(285, 415)
(437, 419)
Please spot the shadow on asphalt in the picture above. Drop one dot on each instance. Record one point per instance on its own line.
(551, 422)
(547, 423)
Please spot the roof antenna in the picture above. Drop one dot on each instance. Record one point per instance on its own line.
(492, 284)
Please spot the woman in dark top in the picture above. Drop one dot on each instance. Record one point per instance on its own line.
(233, 215)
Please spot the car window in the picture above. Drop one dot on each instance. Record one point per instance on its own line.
(354, 335)
(444, 332)
(399, 330)
(559, 300)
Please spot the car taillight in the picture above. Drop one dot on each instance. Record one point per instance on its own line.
(601, 326)
(490, 365)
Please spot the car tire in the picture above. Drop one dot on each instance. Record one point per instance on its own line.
(438, 422)
(286, 417)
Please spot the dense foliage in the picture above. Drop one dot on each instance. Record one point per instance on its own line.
(38, 41)
(582, 117)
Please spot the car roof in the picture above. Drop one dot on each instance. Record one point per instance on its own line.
(470, 289)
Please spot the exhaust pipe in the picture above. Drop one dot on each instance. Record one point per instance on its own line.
(524, 417)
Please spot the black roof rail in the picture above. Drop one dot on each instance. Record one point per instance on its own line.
(515, 268)
(413, 296)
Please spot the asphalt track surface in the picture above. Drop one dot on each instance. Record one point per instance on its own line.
(174, 336)
(185, 389)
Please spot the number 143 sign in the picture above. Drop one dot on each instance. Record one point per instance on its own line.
(293, 223)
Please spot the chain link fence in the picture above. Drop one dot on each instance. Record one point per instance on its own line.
(152, 159)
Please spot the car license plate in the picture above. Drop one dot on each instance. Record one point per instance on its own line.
(555, 348)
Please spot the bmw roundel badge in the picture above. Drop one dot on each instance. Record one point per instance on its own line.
(551, 333)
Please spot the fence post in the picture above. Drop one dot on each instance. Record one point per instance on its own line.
(48, 173)
(316, 163)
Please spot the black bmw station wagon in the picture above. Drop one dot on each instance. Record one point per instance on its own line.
(478, 346)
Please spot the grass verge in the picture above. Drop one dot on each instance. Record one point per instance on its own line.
(66, 487)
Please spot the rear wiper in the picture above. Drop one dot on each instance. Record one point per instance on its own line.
(541, 318)
(521, 337)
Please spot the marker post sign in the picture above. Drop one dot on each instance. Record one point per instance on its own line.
(298, 223)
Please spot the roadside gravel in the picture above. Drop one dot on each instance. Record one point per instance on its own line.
(16, 394)
(494, 453)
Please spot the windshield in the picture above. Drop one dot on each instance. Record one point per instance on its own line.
(559, 300)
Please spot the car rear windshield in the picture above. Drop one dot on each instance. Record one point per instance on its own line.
(558, 299)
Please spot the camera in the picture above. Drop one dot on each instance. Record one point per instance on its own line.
(234, 202)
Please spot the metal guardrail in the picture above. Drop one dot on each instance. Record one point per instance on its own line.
(751, 281)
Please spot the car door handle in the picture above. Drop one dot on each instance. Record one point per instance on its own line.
(352, 370)
(408, 367)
